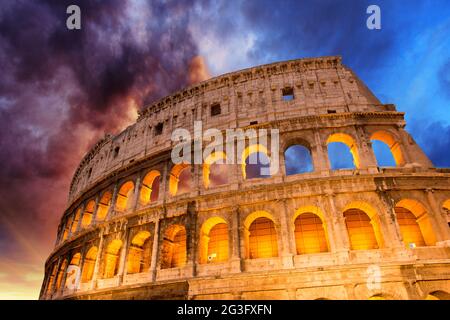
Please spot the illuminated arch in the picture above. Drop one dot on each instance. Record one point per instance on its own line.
(139, 253)
(438, 295)
(51, 278)
(310, 230)
(297, 159)
(213, 244)
(61, 271)
(406, 207)
(349, 142)
(88, 213)
(363, 226)
(75, 261)
(124, 196)
(111, 259)
(208, 162)
(150, 187)
(176, 177)
(89, 264)
(254, 148)
(103, 206)
(446, 207)
(392, 143)
(261, 236)
(75, 220)
(173, 250)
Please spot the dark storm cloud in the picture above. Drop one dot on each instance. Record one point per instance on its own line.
(61, 90)
(434, 138)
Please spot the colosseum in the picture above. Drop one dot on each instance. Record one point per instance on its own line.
(139, 226)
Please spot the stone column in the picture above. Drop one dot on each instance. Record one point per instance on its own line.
(155, 251)
(320, 155)
(367, 158)
(329, 225)
(81, 266)
(123, 256)
(112, 207)
(235, 258)
(438, 221)
(63, 279)
(97, 261)
(58, 266)
(392, 236)
(286, 236)
(94, 214)
(191, 236)
(137, 190)
(164, 185)
(80, 218)
(405, 143)
(340, 231)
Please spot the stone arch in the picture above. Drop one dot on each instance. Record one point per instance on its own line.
(139, 253)
(214, 158)
(150, 187)
(61, 271)
(438, 295)
(67, 227)
(75, 219)
(124, 196)
(214, 243)
(51, 278)
(261, 235)
(88, 213)
(349, 141)
(89, 264)
(409, 207)
(254, 149)
(111, 259)
(72, 273)
(174, 247)
(176, 176)
(298, 159)
(103, 205)
(393, 144)
(446, 207)
(310, 230)
(363, 226)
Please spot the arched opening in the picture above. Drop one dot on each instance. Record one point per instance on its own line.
(150, 187)
(124, 196)
(51, 279)
(215, 170)
(180, 179)
(111, 259)
(61, 271)
(72, 271)
(438, 295)
(67, 227)
(103, 206)
(363, 230)
(297, 160)
(139, 253)
(75, 221)
(387, 150)
(310, 235)
(261, 235)
(173, 250)
(414, 222)
(89, 264)
(255, 162)
(88, 213)
(342, 151)
(214, 241)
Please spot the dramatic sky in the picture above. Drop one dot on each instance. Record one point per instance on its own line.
(61, 90)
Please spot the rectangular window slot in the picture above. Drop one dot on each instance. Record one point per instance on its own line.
(288, 94)
(159, 129)
(253, 122)
(215, 109)
(331, 111)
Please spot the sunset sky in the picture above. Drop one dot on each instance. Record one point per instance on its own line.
(61, 90)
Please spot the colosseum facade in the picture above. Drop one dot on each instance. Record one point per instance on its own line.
(138, 226)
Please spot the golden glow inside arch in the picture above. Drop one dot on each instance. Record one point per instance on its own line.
(175, 177)
(210, 159)
(51, 279)
(103, 206)
(363, 226)
(173, 250)
(88, 213)
(139, 253)
(310, 234)
(111, 259)
(422, 219)
(75, 220)
(124, 195)
(393, 145)
(254, 148)
(146, 188)
(349, 142)
(61, 271)
(213, 245)
(260, 235)
(438, 295)
(89, 264)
